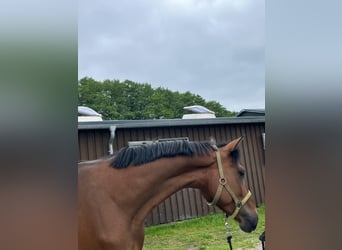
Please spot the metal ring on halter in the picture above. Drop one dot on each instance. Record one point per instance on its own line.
(223, 181)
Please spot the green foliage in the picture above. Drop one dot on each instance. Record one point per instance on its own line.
(129, 100)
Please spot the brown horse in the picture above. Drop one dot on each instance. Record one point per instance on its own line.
(117, 194)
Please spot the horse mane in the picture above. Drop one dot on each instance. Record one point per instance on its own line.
(138, 155)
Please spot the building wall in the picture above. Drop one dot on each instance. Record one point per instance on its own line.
(187, 203)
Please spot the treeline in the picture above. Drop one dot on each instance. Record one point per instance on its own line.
(129, 100)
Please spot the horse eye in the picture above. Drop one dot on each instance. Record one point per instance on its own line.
(241, 173)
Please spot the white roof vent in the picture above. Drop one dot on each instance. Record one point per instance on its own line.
(87, 114)
(200, 112)
(82, 110)
(199, 109)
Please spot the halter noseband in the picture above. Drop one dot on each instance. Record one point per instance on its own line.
(223, 183)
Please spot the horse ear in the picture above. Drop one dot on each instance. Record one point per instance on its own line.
(230, 147)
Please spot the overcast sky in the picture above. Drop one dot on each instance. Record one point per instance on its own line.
(214, 48)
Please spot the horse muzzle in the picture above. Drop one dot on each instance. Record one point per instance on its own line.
(248, 223)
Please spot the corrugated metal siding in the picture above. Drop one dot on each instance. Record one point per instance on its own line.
(92, 144)
(187, 203)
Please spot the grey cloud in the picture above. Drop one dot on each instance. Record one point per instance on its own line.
(207, 47)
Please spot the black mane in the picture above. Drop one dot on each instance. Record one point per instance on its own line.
(138, 155)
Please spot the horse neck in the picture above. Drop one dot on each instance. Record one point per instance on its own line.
(152, 183)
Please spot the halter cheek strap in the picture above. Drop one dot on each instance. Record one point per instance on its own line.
(223, 183)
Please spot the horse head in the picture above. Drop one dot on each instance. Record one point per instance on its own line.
(227, 189)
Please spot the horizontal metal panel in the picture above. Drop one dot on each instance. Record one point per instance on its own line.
(168, 122)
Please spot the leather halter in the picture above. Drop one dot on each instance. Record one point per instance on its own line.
(223, 183)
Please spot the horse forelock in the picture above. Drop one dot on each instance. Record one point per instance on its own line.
(139, 155)
(235, 154)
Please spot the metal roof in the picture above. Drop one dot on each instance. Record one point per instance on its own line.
(168, 122)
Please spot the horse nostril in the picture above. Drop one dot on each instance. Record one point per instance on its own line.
(254, 222)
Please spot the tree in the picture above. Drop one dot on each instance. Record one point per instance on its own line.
(129, 100)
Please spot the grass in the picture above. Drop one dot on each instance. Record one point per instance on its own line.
(206, 233)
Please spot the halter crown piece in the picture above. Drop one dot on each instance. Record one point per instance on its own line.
(223, 183)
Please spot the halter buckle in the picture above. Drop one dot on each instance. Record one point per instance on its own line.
(239, 204)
